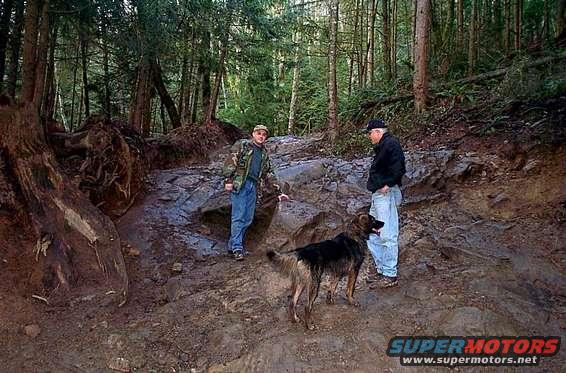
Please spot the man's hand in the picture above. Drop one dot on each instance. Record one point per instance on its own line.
(283, 197)
(228, 187)
(384, 190)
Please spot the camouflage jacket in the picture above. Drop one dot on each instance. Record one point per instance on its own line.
(237, 166)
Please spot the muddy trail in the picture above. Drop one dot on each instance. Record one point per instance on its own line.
(482, 252)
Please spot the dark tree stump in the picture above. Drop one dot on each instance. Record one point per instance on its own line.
(77, 242)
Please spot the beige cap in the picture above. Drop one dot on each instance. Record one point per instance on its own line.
(261, 127)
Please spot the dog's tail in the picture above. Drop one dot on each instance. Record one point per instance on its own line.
(286, 263)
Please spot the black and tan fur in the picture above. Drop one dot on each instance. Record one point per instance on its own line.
(341, 256)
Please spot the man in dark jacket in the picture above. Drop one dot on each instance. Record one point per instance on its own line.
(385, 174)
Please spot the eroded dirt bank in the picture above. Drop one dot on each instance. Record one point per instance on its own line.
(482, 253)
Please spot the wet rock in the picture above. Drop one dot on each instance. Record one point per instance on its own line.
(418, 291)
(424, 243)
(473, 321)
(498, 199)
(32, 330)
(298, 223)
(115, 341)
(175, 289)
(531, 166)
(302, 172)
(119, 364)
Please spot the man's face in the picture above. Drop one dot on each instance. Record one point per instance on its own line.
(259, 136)
(374, 136)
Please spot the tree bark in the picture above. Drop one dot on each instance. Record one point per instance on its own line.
(394, 40)
(140, 113)
(507, 28)
(204, 69)
(84, 59)
(386, 40)
(356, 45)
(211, 108)
(76, 239)
(15, 46)
(294, 86)
(107, 94)
(74, 94)
(518, 23)
(472, 39)
(449, 26)
(4, 33)
(371, 42)
(497, 22)
(561, 18)
(420, 80)
(460, 36)
(50, 81)
(166, 99)
(30, 51)
(332, 85)
(183, 83)
(41, 62)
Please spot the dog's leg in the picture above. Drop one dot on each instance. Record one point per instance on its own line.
(313, 293)
(330, 296)
(297, 290)
(352, 277)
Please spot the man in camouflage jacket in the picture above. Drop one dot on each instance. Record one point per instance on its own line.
(246, 172)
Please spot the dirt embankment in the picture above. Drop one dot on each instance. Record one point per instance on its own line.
(484, 256)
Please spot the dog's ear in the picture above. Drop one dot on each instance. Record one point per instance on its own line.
(363, 219)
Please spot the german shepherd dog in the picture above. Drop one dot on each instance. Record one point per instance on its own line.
(340, 256)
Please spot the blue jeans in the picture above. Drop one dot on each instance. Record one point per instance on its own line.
(243, 209)
(385, 248)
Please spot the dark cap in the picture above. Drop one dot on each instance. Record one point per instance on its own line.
(375, 123)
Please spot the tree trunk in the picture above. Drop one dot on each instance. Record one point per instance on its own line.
(211, 107)
(186, 116)
(30, 51)
(507, 28)
(15, 46)
(84, 59)
(386, 41)
(74, 94)
(332, 85)
(140, 112)
(41, 62)
(183, 83)
(50, 81)
(449, 26)
(420, 80)
(76, 239)
(294, 86)
(371, 40)
(204, 69)
(166, 99)
(561, 18)
(472, 39)
(196, 95)
(460, 36)
(107, 94)
(4, 32)
(518, 23)
(355, 44)
(394, 40)
(497, 22)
